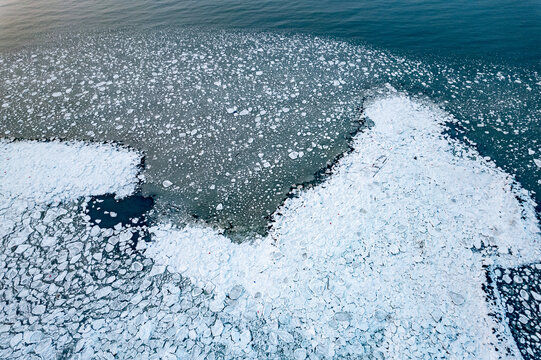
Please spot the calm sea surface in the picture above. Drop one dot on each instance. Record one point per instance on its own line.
(472, 28)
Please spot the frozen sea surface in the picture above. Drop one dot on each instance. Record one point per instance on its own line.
(385, 259)
(230, 121)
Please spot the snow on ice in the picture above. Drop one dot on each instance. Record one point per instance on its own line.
(385, 259)
(378, 259)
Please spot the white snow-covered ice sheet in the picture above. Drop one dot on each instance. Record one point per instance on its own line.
(48, 171)
(387, 256)
(385, 259)
(41, 173)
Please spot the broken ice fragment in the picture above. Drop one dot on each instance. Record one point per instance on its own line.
(342, 316)
(216, 305)
(38, 310)
(456, 298)
(299, 354)
(217, 328)
(236, 292)
(293, 155)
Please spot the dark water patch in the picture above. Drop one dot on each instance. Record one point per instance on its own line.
(489, 288)
(132, 212)
(520, 295)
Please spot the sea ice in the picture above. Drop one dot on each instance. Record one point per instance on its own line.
(386, 258)
(379, 256)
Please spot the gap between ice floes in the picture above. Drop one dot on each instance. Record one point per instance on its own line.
(384, 246)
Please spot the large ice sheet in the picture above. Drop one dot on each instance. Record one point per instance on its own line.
(47, 171)
(385, 257)
(35, 174)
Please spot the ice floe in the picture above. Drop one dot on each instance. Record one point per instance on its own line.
(383, 258)
(47, 171)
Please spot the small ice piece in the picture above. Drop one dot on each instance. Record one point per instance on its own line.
(259, 73)
(219, 207)
(456, 298)
(38, 310)
(236, 292)
(299, 354)
(537, 162)
(216, 305)
(293, 155)
(15, 340)
(523, 319)
(157, 270)
(342, 316)
(217, 328)
(145, 331)
(285, 337)
(245, 338)
(32, 337)
(167, 183)
(113, 214)
(103, 292)
(75, 248)
(57, 94)
(437, 314)
(137, 266)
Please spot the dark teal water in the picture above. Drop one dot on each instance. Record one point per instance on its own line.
(481, 28)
